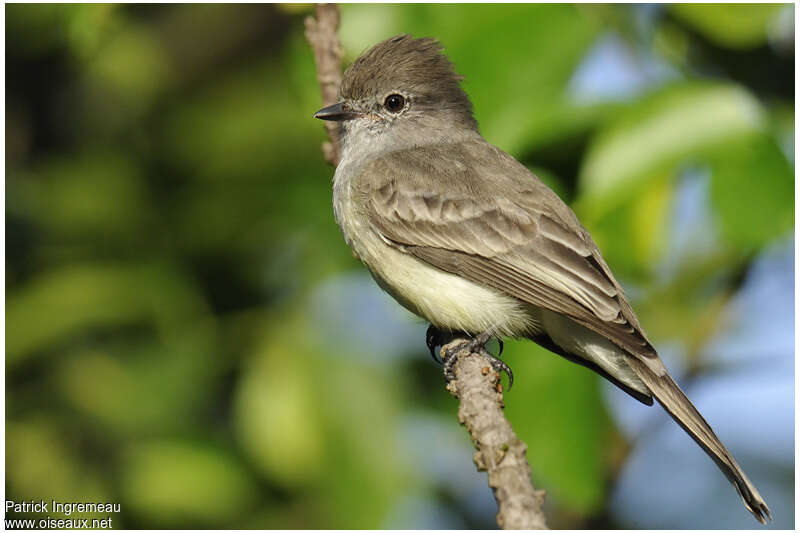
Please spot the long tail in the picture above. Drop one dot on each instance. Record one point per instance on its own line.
(672, 398)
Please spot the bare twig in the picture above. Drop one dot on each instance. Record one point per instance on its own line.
(500, 452)
(321, 35)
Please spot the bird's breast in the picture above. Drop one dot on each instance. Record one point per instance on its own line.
(446, 300)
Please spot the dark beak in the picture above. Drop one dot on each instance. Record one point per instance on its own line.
(337, 112)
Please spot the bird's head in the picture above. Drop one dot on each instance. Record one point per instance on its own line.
(400, 93)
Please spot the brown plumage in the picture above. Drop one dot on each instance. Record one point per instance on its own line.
(465, 236)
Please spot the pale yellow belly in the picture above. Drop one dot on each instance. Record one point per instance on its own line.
(446, 300)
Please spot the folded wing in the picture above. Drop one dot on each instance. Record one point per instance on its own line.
(499, 226)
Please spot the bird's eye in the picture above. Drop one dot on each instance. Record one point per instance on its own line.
(394, 103)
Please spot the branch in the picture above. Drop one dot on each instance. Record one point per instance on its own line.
(321, 35)
(500, 452)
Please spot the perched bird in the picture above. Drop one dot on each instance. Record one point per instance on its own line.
(463, 235)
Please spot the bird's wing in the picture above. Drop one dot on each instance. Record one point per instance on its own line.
(474, 211)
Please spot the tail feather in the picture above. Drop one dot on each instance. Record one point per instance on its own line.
(672, 398)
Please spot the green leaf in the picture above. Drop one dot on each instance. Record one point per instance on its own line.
(301, 411)
(60, 303)
(659, 132)
(275, 411)
(44, 464)
(557, 410)
(153, 384)
(133, 66)
(178, 483)
(752, 192)
(737, 26)
(67, 301)
(632, 235)
(88, 195)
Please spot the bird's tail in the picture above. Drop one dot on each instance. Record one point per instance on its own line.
(672, 398)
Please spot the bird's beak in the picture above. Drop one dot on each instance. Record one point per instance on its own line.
(337, 112)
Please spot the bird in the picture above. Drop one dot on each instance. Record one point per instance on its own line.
(465, 236)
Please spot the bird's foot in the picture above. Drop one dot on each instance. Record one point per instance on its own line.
(476, 345)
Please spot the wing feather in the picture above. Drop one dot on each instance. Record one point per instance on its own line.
(503, 229)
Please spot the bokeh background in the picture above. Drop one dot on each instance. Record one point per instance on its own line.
(188, 335)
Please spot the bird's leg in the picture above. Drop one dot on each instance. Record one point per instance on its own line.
(476, 345)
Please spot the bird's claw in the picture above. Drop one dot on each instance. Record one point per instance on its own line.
(433, 338)
(500, 366)
(476, 345)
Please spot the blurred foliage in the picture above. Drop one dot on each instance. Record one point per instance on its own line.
(570, 459)
(168, 222)
(746, 26)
